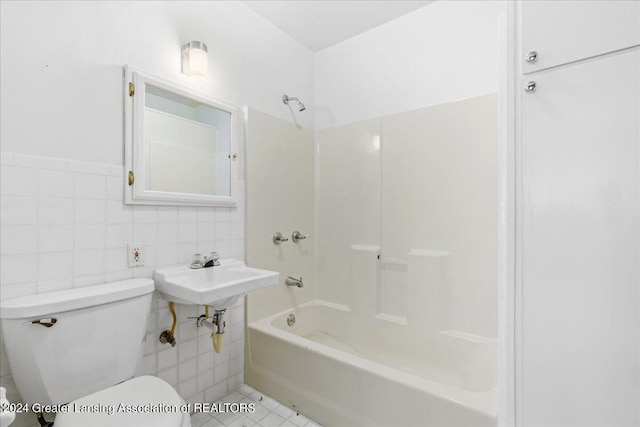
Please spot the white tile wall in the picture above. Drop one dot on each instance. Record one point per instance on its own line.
(64, 225)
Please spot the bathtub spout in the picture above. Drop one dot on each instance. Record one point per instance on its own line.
(292, 281)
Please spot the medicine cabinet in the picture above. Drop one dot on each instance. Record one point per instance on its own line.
(180, 146)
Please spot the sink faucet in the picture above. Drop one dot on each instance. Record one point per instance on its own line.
(212, 260)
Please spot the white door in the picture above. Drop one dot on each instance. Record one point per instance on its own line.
(566, 31)
(580, 244)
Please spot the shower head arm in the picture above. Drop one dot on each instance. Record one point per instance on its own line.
(287, 98)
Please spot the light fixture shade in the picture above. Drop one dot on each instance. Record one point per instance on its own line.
(195, 60)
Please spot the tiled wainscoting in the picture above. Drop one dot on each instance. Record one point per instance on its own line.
(64, 225)
(192, 367)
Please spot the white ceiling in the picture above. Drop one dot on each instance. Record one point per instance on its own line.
(321, 24)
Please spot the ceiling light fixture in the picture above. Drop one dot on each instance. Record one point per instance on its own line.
(195, 59)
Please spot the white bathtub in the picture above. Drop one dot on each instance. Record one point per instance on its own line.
(340, 371)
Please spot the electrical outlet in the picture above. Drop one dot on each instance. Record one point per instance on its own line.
(135, 255)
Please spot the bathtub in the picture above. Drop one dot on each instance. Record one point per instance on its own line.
(341, 371)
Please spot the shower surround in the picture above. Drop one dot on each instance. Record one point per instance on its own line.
(402, 305)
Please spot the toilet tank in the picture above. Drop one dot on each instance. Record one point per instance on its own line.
(67, 344)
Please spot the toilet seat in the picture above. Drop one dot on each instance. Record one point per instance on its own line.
(160, 403)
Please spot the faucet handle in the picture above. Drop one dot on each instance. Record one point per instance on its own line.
(299, 236)
(278, 238)
(196, 261)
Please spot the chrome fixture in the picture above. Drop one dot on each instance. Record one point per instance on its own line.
(211, 260)
(291, 319)
(292, 281)
(287, 98)
(298, 236)
(532, 57)
(47, 323)
(279, 238)
(196, 261)
(531, 87)
(217, 324)
(194, 59)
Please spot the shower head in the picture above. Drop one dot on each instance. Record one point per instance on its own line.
(286, 99)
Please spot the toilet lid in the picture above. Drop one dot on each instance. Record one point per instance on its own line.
(139, 402)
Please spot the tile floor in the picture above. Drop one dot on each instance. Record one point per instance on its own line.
(268, 413)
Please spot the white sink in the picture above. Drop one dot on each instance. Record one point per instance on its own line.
(218, 287)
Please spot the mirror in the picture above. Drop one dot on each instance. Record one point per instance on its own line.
(182, 146)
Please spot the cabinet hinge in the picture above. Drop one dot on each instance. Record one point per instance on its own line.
(131, 178)
(132, 89)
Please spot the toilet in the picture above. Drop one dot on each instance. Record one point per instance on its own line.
(80, 347)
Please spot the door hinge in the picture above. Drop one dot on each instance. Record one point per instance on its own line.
(131, 178)
(132, 89)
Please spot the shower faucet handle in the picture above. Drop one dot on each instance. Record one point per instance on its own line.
(299, 236)
(279, 238)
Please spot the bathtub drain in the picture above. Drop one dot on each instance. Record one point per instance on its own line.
(291, 319)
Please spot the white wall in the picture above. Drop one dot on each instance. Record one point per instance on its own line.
(280, 197)
(62, 68)
(64, 223)
(64, 226)
(443, 52)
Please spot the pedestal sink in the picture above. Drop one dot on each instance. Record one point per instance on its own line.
(218, 287)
